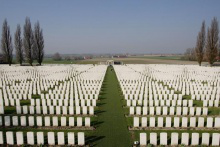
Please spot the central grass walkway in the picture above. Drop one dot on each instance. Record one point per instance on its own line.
(113, 126)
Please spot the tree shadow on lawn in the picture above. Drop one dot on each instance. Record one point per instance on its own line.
(91, 140)
(100, 104)
(96, 124)
(98, 112)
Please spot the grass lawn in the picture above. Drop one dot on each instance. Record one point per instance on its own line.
(113, 129)
(162, 57)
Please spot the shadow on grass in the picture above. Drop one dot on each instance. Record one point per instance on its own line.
(90, 140)
(97, 112)
(100, 104)
(96, 124)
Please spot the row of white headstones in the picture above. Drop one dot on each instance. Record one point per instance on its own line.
(71, 90)
(19, 138)
(146, 87)
(185, 139)
(40, 121)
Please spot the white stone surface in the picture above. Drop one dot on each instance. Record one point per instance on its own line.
(205, 138)
(30, 138)
(1, 138)
(163, 138)
(23, 121)
(63, 121)
(185, 139)
(71, 121)
(51, 138)
(81, 138)
(143, 139)
(174, 139)
(153, 138)
(9, 138)
(71, 138)
(40, 138)
(61, 138)
(79, 121)
(19, 138)
(136, 121)
(215, 139)
(195, 139)
(87, 121)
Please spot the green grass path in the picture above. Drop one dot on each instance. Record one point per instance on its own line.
(113, 126)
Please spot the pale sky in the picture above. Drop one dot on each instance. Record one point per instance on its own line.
(113, 26)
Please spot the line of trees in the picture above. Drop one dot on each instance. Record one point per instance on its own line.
(28, 48)
(207, 45)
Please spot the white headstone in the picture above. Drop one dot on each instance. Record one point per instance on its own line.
(184, 121)
(215, 139)
(152, 121)
(40, 138)
(158, 110)
(39, 121)
(23, 121)
(209, 122)
(31, 121)
(151, 110)
(51, 108)
(144, 122)
(63, 121)
(198, 111)
(78, 110)
(71, 138)
(15, 120)
(172, 110)
(58, 111)
(176, 122)
(1, 138)
(205, 139)
(47, 121)
(143, 139)
(51, 138)
(9, 138)
(81, 138)
(174, 139)
(30, 138)
(64, 110)
(163, 138)
(168, 122)
(7, 121)
(20, 138)
(71, 121)
(87, 121)
(195, 139)
(153, 138)
(60, 138)
(160, 121)
(79, 121)
(192, 121)
(217, 122)
(136, 121)
(185, 139)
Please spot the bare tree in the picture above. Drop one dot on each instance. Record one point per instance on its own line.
(190, 54)
(28, 41)
(18, 45)
(57, 57)
(212, 44)
(6, 43)
(39, 43)
(200, 45)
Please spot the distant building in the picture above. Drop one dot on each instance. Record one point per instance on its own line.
(119, 56)
(111, 62)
